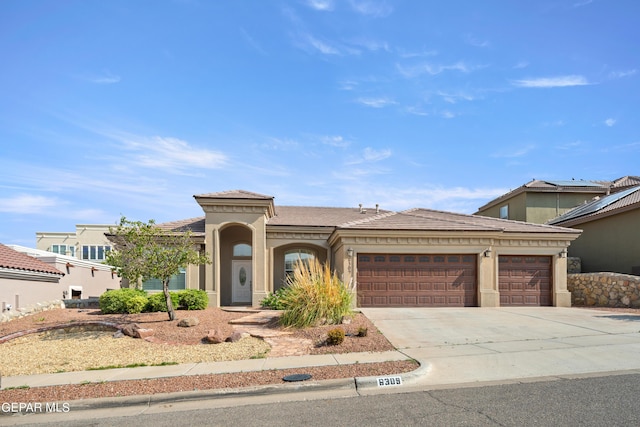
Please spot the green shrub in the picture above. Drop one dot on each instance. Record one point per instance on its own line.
(157, 302)
(193, 299)
(315, 296)
(124, 300)
(335, 336)
(276, 300)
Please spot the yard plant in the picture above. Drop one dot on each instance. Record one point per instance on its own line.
(314, 296)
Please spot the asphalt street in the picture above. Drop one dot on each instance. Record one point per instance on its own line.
(594, 401)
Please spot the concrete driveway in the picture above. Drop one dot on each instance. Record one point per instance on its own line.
(497, 344)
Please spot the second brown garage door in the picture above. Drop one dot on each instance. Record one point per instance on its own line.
(525, 280)
(390, 280)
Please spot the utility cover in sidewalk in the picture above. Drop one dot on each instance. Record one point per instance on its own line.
(296, 377)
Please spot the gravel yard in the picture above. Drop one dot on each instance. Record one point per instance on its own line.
(71, 349)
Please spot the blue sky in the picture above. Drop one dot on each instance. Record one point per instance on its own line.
(131, 107)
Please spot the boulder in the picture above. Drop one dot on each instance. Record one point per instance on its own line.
(130, 329)
(188, 322)
(214, 336)
(144, 333)
(237, 336)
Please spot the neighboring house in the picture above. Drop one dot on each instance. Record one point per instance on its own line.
(78, 278)
(610, 241)
(417, 257)
(539, 201)
(25, 280)
(88, 242)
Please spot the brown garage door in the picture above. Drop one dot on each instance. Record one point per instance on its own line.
(390, 280)
(525, 280)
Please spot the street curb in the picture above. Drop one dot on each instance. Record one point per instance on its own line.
(408, 378)
(196, 395)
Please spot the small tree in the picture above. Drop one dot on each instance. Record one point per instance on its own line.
(144, 251)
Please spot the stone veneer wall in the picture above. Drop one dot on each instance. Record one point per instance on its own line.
(574, 265)
(24, 311)
(604, 289)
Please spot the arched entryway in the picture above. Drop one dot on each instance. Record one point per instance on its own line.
(236, 265)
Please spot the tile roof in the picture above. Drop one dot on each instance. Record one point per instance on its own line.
(319, 216)
(432, 220)
(371, 219)
(196, 225)
(14, 260)
(617, 202)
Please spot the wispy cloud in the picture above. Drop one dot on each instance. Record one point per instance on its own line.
(515, 152)
(376, 9)
(375, 102)
(582, 3)
(28, 204)
(570, 145)
(105, 78)
(252, 42)
(335, 141)
(322, 5)
(610, 122)
(370, 155)
(520, 65)
(472, 40)
(432, 69)
(453, 98)
(550, 82)
(621, 74)
(172, 154)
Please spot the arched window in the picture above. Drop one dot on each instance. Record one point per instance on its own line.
(241, 249)
(292, 256)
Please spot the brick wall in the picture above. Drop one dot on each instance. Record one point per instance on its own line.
(604, 289)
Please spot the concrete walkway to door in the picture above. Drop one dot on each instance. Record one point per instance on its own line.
(468, 345)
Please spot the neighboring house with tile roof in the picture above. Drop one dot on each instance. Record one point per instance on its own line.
(417, 257)
(539, 201)
(610, 240)
(24, 279)
(31, 276)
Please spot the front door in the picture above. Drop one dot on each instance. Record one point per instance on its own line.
(241, 283)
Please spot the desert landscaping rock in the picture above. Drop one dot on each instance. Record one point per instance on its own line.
(188, 322)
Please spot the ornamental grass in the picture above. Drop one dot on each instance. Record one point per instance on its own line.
(315, 296)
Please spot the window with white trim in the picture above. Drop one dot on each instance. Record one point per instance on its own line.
(95, 252)
(176, 283)
(63, 249)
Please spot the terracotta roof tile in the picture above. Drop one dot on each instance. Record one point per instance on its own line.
(196, 225)
(15, 260)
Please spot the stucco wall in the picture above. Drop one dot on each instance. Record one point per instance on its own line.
(609, 244)
(604, 289)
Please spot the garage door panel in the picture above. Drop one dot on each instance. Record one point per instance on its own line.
(417, 280)
(525, 280)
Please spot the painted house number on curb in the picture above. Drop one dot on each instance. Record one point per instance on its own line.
(389, 381)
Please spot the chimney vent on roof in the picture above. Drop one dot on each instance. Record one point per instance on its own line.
(377, 208)
(362, 210)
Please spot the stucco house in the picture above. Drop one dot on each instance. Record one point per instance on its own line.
(29, 276)
(610, 241)
(88, 242)
(539, 201)
(417, 257)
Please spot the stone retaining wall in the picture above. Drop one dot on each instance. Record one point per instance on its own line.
(24, 311)
(604, 289)
(574, 265)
